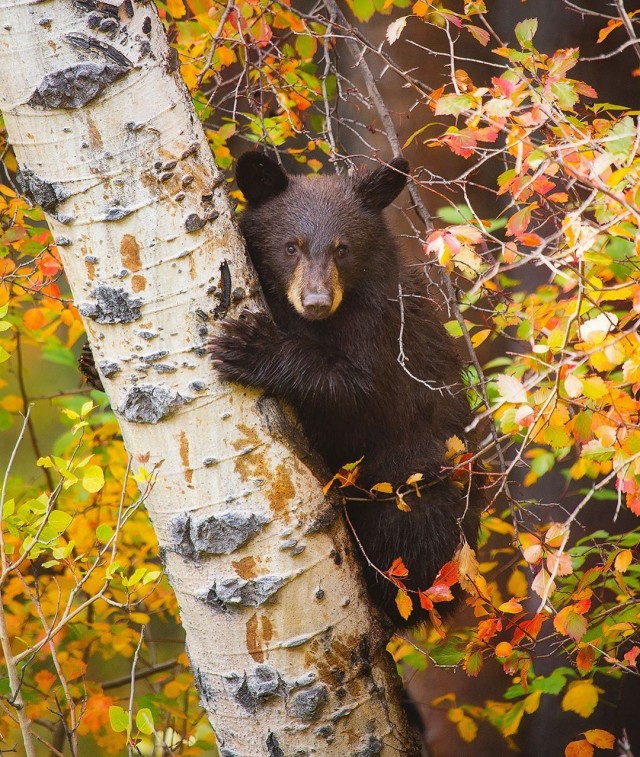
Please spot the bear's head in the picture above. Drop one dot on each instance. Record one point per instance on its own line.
(315, 239)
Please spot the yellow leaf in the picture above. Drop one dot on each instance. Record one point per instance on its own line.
(140, 617)
(455, 714)
(467, 729)
(467, 564)
(384, 487)
(176, 8)
(517, 584)
(401, 504)
(93, 479)
(479, 337)
(581, 697)
(455, 446)
(532, 702)
(594, 388)
(601, 739)
(622, 561)
(404, 603)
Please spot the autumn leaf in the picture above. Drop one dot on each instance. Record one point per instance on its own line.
(585, 658)
(384, 488)
(623, 560)
(404, 603)
(511, 607)
(473, 663)
(601, 739)
(581, 748)
(581, 697)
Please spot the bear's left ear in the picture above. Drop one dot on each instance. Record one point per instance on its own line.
(259, 178)
(380, 188)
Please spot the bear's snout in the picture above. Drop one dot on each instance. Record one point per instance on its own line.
(317, 305)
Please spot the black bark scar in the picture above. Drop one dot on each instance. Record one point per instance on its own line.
(224, 295)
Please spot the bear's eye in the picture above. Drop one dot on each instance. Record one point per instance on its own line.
(291, 248)
(342, 250)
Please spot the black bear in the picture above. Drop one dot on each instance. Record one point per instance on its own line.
(344, 309)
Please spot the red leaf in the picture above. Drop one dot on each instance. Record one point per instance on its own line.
(633, 503)
(425, 601)
(632, 655)
(448, 574)
(461, 143)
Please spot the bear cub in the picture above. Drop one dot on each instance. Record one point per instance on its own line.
(344, 309)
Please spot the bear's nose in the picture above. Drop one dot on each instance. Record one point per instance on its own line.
(317, 304)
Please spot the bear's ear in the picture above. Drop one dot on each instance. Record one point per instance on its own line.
(379, 188)
(259, 178)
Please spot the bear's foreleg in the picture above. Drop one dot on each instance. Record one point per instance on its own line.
(253, 352)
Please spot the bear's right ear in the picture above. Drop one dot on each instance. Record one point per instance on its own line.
(260, 178)
(379, 188)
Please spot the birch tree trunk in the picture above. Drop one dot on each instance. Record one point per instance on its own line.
(284, 650)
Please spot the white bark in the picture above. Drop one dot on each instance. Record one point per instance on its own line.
(286, 656)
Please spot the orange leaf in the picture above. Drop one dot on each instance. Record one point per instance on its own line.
(606, 31)
(512, 606)
(529, 628)
(34, 318)
(398, 569)
(585, 659)
(176, 8)
(487, 629)
(580, 748)
(404, 603)
(601, 739)
(503, 649)
(44, 679)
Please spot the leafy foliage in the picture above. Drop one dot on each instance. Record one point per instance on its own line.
(535, 252)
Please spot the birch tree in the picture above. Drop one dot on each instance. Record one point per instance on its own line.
(286, 653)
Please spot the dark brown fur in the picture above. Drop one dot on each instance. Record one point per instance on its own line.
(341, 372)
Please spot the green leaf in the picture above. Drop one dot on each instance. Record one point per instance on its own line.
(119, 719)
(362, 9)
(104, 532)
(306, 45)
(565, 93)
(473, 664)
(558, 437)
(525, 31)
(144, 721)
(450, 653)
(453, 105)
(4, 355)
(59, 355)
(620, 137)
